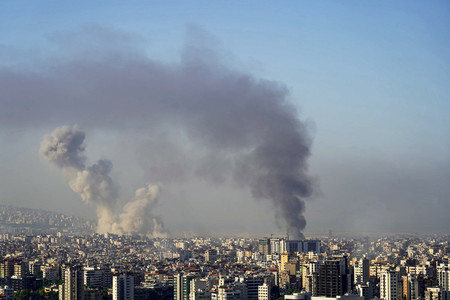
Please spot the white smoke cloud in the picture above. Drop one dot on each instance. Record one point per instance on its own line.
(105, 219)
(64, 148)
(158, 228)
(94, 185)
(134, 218)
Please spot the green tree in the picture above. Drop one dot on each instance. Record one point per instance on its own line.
(35, 295)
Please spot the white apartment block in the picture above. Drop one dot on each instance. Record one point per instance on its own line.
(390, 286)
(264, 292)
(443, 276)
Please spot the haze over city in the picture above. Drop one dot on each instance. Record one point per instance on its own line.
(228, 116)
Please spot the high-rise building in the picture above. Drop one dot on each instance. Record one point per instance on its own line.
(275, 246)
(264, 246)
(93, 277)
(20, 268)
(73, 288)
(294, 246)
(362, 271)
(123, 287)
(443, 277)
(7, 268)
(34, 267)
(286, 258)
(182, 286)
(107, 276)
(211, 255)
(311, 246)
(390, 285)
(308, 268)
(49, 273)
(302, 246)
(310, 283)
(413, 287)
(365, 290)
(199, 289)
(333, 277)
(252, 284)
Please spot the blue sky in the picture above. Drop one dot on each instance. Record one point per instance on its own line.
(371, 79)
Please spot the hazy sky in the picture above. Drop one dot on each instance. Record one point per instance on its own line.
(369, 80)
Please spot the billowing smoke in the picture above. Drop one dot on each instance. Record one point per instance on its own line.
(95, 186)
(64, 148)
(135, 215)
(196, 119)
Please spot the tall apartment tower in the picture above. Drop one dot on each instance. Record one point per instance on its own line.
(264, 246)
(311, 246)
(199, 289)
(294, 246)
(20, 268)
(413, 287)
(73, 288)
(333, 277)
(123, 287)
(275, 246)
(7, 268)
(252, 286)
(177, 287)
(285, 259)
(443, 276)
(211, 255)
(390, 285)
(365, 290)
(362, 271)
(93, 277)
(182, 286)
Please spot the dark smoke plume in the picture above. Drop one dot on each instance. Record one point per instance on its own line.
(196, 118)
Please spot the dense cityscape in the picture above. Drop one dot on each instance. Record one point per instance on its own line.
(224, 150)
(69, 265)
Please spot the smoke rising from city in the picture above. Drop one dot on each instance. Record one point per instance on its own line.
(218, 123)
(202, 114)
(64, 148)
(135, 215)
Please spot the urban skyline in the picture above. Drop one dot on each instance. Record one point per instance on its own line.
(355, 97)
(225, 150)
(65, 265)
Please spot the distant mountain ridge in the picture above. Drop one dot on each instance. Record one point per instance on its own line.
(17, 219)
